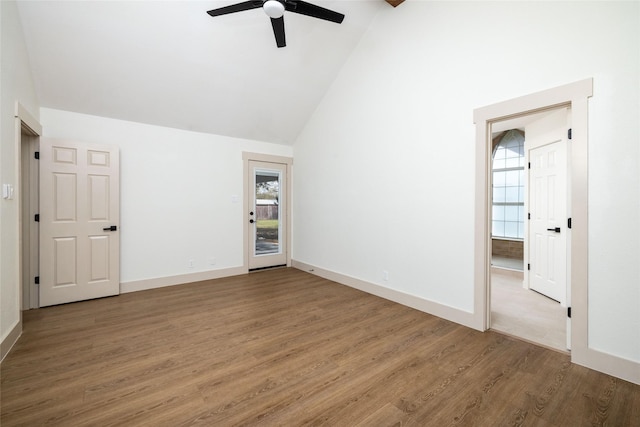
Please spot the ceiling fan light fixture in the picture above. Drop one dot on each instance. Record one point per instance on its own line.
(273, 8)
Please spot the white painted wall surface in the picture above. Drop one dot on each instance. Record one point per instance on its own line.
(15, 85)
(385, 168)
(177, 190)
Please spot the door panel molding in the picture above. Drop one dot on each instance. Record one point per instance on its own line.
(546, 147)
(79, 202)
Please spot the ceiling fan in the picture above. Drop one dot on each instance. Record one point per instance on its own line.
(275, 10)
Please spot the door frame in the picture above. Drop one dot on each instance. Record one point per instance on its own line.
(27, 124)
(30, 229)
(574, 95)
(288, 162)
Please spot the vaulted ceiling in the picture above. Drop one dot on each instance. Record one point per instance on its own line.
(168, 63)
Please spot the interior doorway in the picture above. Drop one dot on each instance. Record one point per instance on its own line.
(29, 204)
(27, 144)
(576, 96)
(527, 195)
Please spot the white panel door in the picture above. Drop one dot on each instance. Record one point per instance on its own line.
(547, 237)
(267, 214)
(79, 221)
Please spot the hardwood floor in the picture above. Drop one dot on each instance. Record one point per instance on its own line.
(283, 347)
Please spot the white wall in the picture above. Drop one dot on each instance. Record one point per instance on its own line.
(15, 85)
(177, 190)
(385, 168)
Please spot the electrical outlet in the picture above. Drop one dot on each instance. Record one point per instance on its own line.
(190, 263)
(212, 261)
(385, 275)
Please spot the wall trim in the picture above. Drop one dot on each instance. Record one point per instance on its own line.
(609, 364)
(181, 279)
(10, 339)
(28, 119)
(426, 306)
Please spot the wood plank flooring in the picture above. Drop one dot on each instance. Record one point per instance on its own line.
(284, 347)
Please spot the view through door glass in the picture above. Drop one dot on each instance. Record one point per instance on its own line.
(267, 212)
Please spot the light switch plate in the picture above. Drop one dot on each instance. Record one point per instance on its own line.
(7, 191)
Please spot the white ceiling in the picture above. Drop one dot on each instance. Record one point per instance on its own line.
(168, 63)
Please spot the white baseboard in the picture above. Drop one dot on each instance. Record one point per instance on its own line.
(413, 301)
(609, 364)
(625, 369)
(160, 282)
(9, 341)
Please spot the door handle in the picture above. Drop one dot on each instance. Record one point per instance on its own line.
(112, 228)
(557, 229)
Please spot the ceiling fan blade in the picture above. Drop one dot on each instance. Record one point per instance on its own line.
(304, 8)
(278, 31)
(238, 7)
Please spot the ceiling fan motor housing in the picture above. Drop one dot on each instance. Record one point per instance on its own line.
(273, 8)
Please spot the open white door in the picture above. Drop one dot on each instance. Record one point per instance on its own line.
(546, 145)
(79, 221)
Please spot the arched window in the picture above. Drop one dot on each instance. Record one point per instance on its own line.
(508, 186)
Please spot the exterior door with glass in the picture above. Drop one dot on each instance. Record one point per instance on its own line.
(267, 214)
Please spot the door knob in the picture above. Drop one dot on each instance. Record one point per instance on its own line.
(557, 229)
(251, 221)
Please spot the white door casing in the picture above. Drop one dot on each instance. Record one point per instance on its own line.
(79, 221)
(546, 148)
(577, 96)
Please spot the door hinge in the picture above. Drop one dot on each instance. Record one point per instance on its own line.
(37, 280)
(569, 134)
(36, 217)
(529, 165)
(528, 266)
(569, 223)
(569, 312)
(529, 215)
(36, 155)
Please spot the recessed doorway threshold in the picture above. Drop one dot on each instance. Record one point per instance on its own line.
(271, 267)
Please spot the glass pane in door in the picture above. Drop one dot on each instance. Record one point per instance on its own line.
(267, 209)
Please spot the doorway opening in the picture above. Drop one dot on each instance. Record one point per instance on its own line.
(29, 204)
(27, 144)
(574, 95)
(529, 263)
(529, 190)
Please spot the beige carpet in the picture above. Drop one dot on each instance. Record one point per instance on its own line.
(526, 314)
